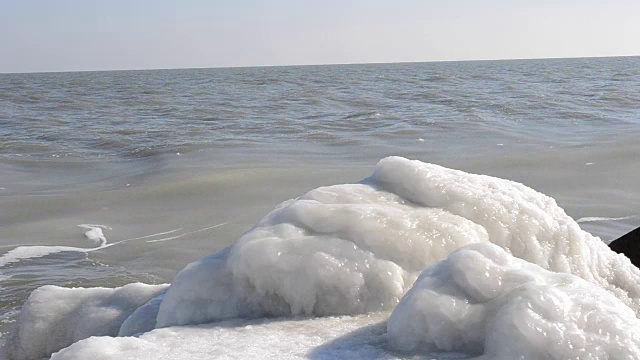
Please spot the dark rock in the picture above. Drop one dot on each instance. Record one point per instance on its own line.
(629, 245)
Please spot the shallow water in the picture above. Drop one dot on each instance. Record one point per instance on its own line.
(179, 163)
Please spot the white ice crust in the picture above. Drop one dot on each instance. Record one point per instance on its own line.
(344, 337)
(358, 248)
(349, 249)
(54, 317)
(482, 301)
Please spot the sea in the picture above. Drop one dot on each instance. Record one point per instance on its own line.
(114, 177)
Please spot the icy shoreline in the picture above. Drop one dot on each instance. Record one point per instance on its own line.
(356, 249)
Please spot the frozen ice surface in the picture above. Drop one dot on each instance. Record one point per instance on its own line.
(55, 317)
(343, 337)
(355, 248)
(482, 301)
(241, 339)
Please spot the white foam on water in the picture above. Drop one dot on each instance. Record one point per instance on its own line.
(483, 301)
(187, 233)
(8, 316)
(596, 218)
(30, 252)
(148, 236)
(358, 248)
(20, 253)
(94, 233)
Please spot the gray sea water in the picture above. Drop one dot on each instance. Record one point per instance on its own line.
(176, 164)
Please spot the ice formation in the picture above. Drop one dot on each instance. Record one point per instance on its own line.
(481, 300)
(309, 338)
(358, 248)
(55, 317)
(348, 249)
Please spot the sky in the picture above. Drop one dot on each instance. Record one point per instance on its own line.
(79, 35)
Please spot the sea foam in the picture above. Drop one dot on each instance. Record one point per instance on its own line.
(358, 248)
(94, 234)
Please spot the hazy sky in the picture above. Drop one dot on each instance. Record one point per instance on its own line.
(68, 35)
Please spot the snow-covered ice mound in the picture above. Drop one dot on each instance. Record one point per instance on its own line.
(357, 248)
(348, 249)
(54, 317)
(482, 300)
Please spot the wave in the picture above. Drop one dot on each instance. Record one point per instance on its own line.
(598, 218)
(94, 233)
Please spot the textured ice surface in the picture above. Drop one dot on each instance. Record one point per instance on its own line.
(349, 249)
(245, 339)
(343, 337)
(481, 300)
(357, 248)
(54, 317)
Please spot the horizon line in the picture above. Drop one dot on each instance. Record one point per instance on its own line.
(320, 64)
